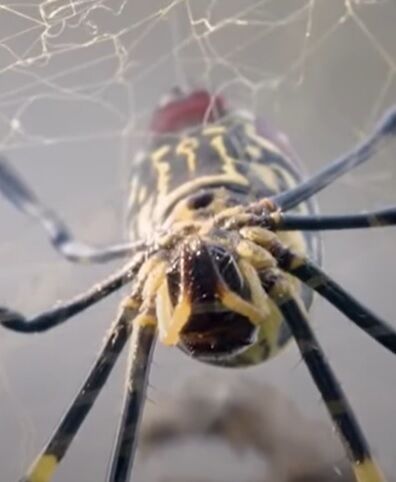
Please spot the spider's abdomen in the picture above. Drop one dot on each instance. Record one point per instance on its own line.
(196, 145)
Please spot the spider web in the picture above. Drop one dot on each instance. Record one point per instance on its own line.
(78, 81)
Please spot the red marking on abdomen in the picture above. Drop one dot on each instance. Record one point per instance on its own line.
(191, 110)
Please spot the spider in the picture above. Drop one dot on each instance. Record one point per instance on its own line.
(221, 269)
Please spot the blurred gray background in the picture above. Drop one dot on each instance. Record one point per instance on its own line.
(77, 83)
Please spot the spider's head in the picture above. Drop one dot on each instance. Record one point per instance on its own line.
(205, 304)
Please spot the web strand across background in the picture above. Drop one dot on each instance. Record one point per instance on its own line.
(78, 81)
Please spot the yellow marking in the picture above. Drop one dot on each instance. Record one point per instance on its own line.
(181, 315)
(368, 471)
(163, 308)
(277, 218)
(145, 319)
(44, 469)
(148, 266)
(186, 188)
(261, 236)
(235, 303)
(298, 260)
(269, 334)
(154, 280)
(230, 214)
(187, 147)
(267, 176)
(266, 173)
(181, 214)
(294, 241)
(270, 177)
(259, 257)
(163, 169)
(280, 291)
(269, 330)
(142, 194)
(213, 130)
(251, 133)
(258, 295)
(131, 303)
(286, 288)
(254, 151)
(229, 162)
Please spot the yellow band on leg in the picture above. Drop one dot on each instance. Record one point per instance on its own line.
(368, 471)
(44, 469)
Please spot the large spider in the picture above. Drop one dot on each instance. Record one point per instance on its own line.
(222, 270)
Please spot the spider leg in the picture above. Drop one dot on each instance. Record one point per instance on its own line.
(374, 219)
(142, 344)
(313, 276)
(379, 138)
(55, 316)
(18, 193)
(45, 465)
(364, 466)
(309, 273)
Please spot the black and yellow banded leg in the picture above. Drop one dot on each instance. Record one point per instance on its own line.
(313, 276)
(44, 467)
(364, 466)
(49, 319)
(378, 329)
(142, 344)
(379, 138)
(141, 350)
(18, 193)
(288, 222)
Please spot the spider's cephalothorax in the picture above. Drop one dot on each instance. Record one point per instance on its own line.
(205, 165)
